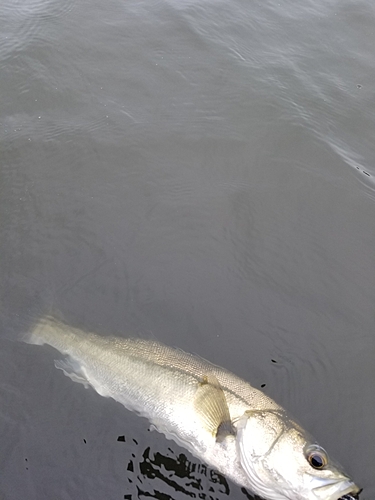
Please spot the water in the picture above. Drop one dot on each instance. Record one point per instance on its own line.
(200, 173)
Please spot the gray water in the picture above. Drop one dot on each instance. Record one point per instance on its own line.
(201, 173)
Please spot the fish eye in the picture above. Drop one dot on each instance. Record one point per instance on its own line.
(317, 458)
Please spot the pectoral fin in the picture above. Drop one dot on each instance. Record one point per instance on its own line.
(211, 405)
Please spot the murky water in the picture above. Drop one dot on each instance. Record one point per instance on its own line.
(200, 173)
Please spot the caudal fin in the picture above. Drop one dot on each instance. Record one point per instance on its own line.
(41, 332)
(49, 330)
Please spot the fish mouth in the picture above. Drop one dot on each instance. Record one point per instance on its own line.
(332, 490)
(351, 496)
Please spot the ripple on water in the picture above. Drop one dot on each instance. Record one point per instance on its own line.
(22, 22)
(357, 162)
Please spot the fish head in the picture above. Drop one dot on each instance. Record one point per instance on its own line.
(283, 462)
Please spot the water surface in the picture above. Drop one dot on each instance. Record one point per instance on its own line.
(198, 173)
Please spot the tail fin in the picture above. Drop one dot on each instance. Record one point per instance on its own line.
(53, 332)
(64, 338)
(40, 333)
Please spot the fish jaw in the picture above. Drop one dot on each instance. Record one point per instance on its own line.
(335, 489)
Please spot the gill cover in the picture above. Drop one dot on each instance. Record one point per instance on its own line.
(282, 462)
(257, 432)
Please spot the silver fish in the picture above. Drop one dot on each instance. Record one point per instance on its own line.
(218, 417)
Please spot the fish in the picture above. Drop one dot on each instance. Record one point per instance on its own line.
(219, 417)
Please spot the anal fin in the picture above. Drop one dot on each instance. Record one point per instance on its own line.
(72, 369)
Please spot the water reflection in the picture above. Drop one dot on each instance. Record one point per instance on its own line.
(160, 476)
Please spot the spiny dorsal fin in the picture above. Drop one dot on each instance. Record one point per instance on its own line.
(211, 405)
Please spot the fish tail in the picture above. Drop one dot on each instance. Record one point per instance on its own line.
(53, 332)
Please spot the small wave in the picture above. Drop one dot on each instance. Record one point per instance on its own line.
(22, 22)
(365, 174)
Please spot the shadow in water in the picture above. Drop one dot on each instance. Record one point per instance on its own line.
(171, 476)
